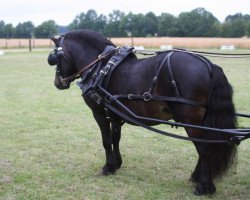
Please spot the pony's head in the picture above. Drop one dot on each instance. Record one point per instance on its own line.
(73, 51)
(61, 58)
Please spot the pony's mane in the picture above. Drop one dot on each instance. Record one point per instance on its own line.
(92, 37)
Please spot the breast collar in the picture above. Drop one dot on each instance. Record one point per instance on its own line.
(100, 74)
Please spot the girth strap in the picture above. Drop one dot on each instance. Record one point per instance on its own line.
(147, 97)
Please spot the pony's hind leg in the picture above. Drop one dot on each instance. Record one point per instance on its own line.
(104, 126)
(202, 174)
(195, 176)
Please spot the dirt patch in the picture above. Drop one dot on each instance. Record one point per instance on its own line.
(5, 163)
(6, 179)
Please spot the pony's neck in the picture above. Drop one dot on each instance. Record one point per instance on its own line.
(85, 46)
(82, 53)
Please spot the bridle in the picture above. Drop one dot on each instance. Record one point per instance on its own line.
(55, 58)
(58, 53)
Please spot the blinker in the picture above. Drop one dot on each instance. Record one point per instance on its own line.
(52, 58)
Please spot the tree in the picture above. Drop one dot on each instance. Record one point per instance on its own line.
(131, 25)
(235, 28)
(9, 30)
(196, 23)
(149, 24)
(2, 27)
(24, 30)
(100, 23)
(167, 25)
(236, 25)
(234, 17)
(137, 30)
(215, 30)
(113, 26)
(248, 28)
(90, 20)
(46, 30)
(6, 30)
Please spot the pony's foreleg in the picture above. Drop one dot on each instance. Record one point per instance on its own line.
(116, 136)
(104, 124)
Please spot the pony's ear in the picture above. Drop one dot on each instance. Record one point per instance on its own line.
(56, 41)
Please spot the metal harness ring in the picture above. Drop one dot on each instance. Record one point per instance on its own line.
(146, 96)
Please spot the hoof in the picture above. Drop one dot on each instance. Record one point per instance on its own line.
(107, 170)
(204, 190)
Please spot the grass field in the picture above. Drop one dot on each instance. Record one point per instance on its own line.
(50, 146)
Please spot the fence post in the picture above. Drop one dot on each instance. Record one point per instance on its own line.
(132, 41)
(30, 44)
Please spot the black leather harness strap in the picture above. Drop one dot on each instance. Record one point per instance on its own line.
(109, 50)
(95, 88)
(170, 72)
(133, 120)
(155, 79)
(101, 78)
(115, 60)
(147, 97)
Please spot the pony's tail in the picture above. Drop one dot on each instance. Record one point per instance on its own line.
(220, 113)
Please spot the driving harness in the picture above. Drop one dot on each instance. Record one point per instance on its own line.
(95, 82)
(97, 79)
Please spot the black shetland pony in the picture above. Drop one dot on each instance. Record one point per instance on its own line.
(194, 80)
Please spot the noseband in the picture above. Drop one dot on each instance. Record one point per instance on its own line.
(57, 54)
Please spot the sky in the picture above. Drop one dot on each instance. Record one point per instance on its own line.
(65, 11)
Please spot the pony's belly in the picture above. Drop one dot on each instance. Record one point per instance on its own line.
(151, 109)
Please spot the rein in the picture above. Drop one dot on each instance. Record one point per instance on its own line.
(78, 74)
(202, 53)
(131, 117)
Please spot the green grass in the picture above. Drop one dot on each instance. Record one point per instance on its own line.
(51, 148)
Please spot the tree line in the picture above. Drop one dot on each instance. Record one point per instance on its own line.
(196, 23)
